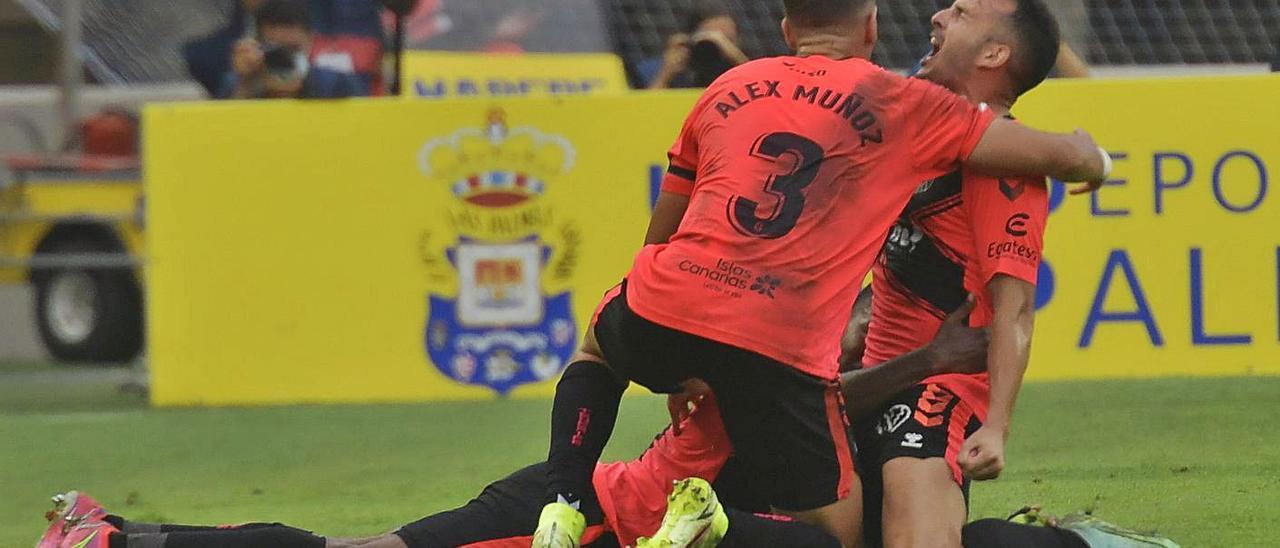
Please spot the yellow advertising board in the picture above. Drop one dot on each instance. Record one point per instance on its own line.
(387, 250)
(450, 75)
(1173, 268)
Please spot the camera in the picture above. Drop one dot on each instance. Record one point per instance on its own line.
(284, 62)
(707, 61)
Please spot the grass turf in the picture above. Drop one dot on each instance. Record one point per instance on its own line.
(1191, 458)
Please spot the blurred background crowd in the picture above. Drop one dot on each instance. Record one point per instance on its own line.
(663, 42)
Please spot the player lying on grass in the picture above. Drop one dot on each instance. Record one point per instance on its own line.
(633, 494)
(636, 489)
(782, 185)
(499, 516)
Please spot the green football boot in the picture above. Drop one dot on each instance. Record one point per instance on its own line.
(559, 526)
(1100, 534)
(694, 518)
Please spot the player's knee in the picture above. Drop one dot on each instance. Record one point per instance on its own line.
(593, 372)
(585, 354)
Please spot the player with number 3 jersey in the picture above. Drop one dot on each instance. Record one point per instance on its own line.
(782, 186)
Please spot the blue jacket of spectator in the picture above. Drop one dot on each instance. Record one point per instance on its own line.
(209, 58)
(356, 24)
(346, 17)
(320, 83)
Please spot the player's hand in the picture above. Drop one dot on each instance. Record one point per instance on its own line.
(247, 58)
(982, 455)
(676, 57)
(958, 348)
(1099, 164)
(680, 405)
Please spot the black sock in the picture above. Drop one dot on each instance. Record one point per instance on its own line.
(582, 420)
(998, 533)
(754, 530)
(259, 536)
(135, 527)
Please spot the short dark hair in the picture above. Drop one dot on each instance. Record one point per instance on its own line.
(283, 13)
(701, 11)
(1039, 38)
(823, 13)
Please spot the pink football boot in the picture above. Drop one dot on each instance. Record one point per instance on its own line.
(89, 534)
(69, 509)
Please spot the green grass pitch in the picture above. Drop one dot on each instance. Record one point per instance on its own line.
(1198, 460)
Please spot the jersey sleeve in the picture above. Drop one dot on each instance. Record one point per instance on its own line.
(1008, 218)
(682, 169)
(945, 127)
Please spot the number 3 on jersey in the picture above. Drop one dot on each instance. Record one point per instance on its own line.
(803, 157)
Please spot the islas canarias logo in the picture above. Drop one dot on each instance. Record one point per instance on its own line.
(507, 253)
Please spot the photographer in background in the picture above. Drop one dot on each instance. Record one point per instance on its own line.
(278, 64)
(208, 58)
(696, 57)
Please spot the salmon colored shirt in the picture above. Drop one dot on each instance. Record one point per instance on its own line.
(796, 167)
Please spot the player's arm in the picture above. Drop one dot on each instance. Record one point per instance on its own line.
(1007, 355)
(956, 348)
(677, 184)
(1014, 301)
(948, 130)
(1009, 148)
(1008, 215)
(667, 215)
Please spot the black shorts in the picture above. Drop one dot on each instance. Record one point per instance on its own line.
(788, 428)
(924, 421)
(507, 510)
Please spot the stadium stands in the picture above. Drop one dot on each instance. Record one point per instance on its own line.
(1107, 32)
(122, 34)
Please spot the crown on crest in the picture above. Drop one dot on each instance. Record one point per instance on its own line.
(497, 166)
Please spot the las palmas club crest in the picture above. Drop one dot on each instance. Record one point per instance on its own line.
(501, 327)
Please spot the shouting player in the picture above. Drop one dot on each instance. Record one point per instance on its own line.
(962, 233)
(783, 183)
(634, 493)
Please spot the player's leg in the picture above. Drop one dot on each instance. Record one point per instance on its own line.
(583, 415)
(696, 518)
(79, 520)
(842, 518)
(868, 461)
(258, 536)
(747, 530)
(790, 431)
(143, 528)
(925, 492)
(923, 506)
(384, 541)
(507, 511)
(586, 407)
(998, 533)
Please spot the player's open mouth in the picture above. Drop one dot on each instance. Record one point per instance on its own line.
(935, 43)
